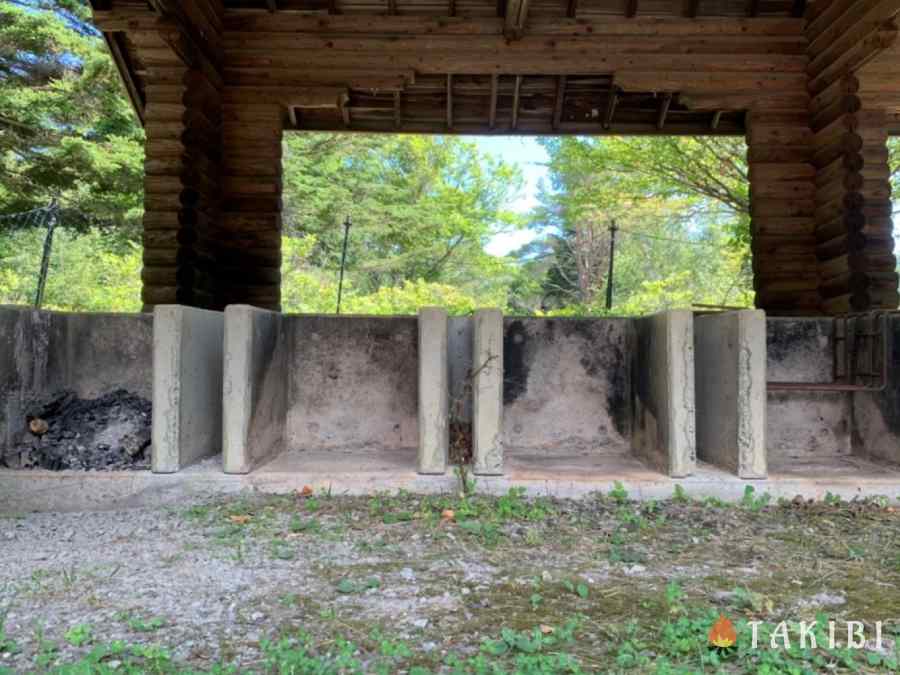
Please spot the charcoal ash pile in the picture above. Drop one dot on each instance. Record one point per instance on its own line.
(66, 432)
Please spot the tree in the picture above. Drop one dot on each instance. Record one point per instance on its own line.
(67, 132)
(681, 241)
(422, 208)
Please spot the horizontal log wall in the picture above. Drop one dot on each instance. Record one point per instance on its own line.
(182, 117)
(854, 238)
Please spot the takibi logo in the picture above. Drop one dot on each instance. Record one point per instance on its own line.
(722, 634)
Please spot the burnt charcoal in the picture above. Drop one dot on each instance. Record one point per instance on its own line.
(110, 433)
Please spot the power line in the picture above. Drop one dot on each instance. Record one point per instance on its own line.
(686, 242)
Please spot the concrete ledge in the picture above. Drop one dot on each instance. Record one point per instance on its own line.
(663, 374)
(487, 398)
(187, 386)
(254, 399)
(730, 366)
(25, 491)
(434, 405)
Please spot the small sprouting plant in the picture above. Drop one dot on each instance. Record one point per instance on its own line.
(79, 635)
(753, 502)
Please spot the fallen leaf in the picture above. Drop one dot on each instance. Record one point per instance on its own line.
(545, 629)
(448, 514)
(240, 520)
(307, 491)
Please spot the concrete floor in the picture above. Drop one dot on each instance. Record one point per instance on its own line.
(362, 471)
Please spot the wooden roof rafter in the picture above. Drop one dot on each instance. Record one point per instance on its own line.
(514, 19)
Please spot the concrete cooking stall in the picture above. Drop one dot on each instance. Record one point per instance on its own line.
(100, 366)
(518, 397)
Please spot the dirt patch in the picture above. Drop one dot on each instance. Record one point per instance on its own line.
(66, 432)
(621, 586)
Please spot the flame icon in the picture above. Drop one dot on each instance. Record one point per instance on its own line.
(722, 633)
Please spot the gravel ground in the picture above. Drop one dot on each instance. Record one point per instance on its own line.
(209, 582)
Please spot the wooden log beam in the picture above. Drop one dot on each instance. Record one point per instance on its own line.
(272, 5)
(690, 8)
(752, 8)
(572, 8)
(631, 8)
(514, 19)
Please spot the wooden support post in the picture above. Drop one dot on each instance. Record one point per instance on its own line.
(782, 212)
(449, 102)
(631, 8)
(182, 200)
(611, 108)
(853, 230)
(664, 106)
(248, 252)
(492, 115)
(398, 109)
(572, 9)
(515, 105)
(343, 102)
(560, 100)
(717, 117)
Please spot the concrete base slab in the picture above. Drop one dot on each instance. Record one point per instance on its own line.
(578, 476)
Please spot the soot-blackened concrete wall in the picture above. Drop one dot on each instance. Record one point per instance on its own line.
(876, 415)
(804, 425)
(567, 384)
(43, 353)
(353, 382)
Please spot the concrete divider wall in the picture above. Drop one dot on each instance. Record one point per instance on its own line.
(433, 409)
(730, 380)
(187, 386)
(567, 385)
(663, 392)
(353, 382)
(255, 387)
(44, 353)
(804, 425)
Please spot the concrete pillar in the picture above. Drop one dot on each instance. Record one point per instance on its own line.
(487, 397)
(434, 431)
(255, 387)
(663, 374)
(730, 353)
(187, 386)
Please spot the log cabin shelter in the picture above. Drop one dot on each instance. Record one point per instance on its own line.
(813, 86)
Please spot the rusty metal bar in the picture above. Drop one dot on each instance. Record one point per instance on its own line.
(879, 385)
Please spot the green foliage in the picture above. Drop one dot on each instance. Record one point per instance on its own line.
(68, 132)
(92, 271)
(681, 208)
(7, 644)
(755, 502)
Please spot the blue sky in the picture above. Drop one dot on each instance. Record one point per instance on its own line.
(530, 157)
